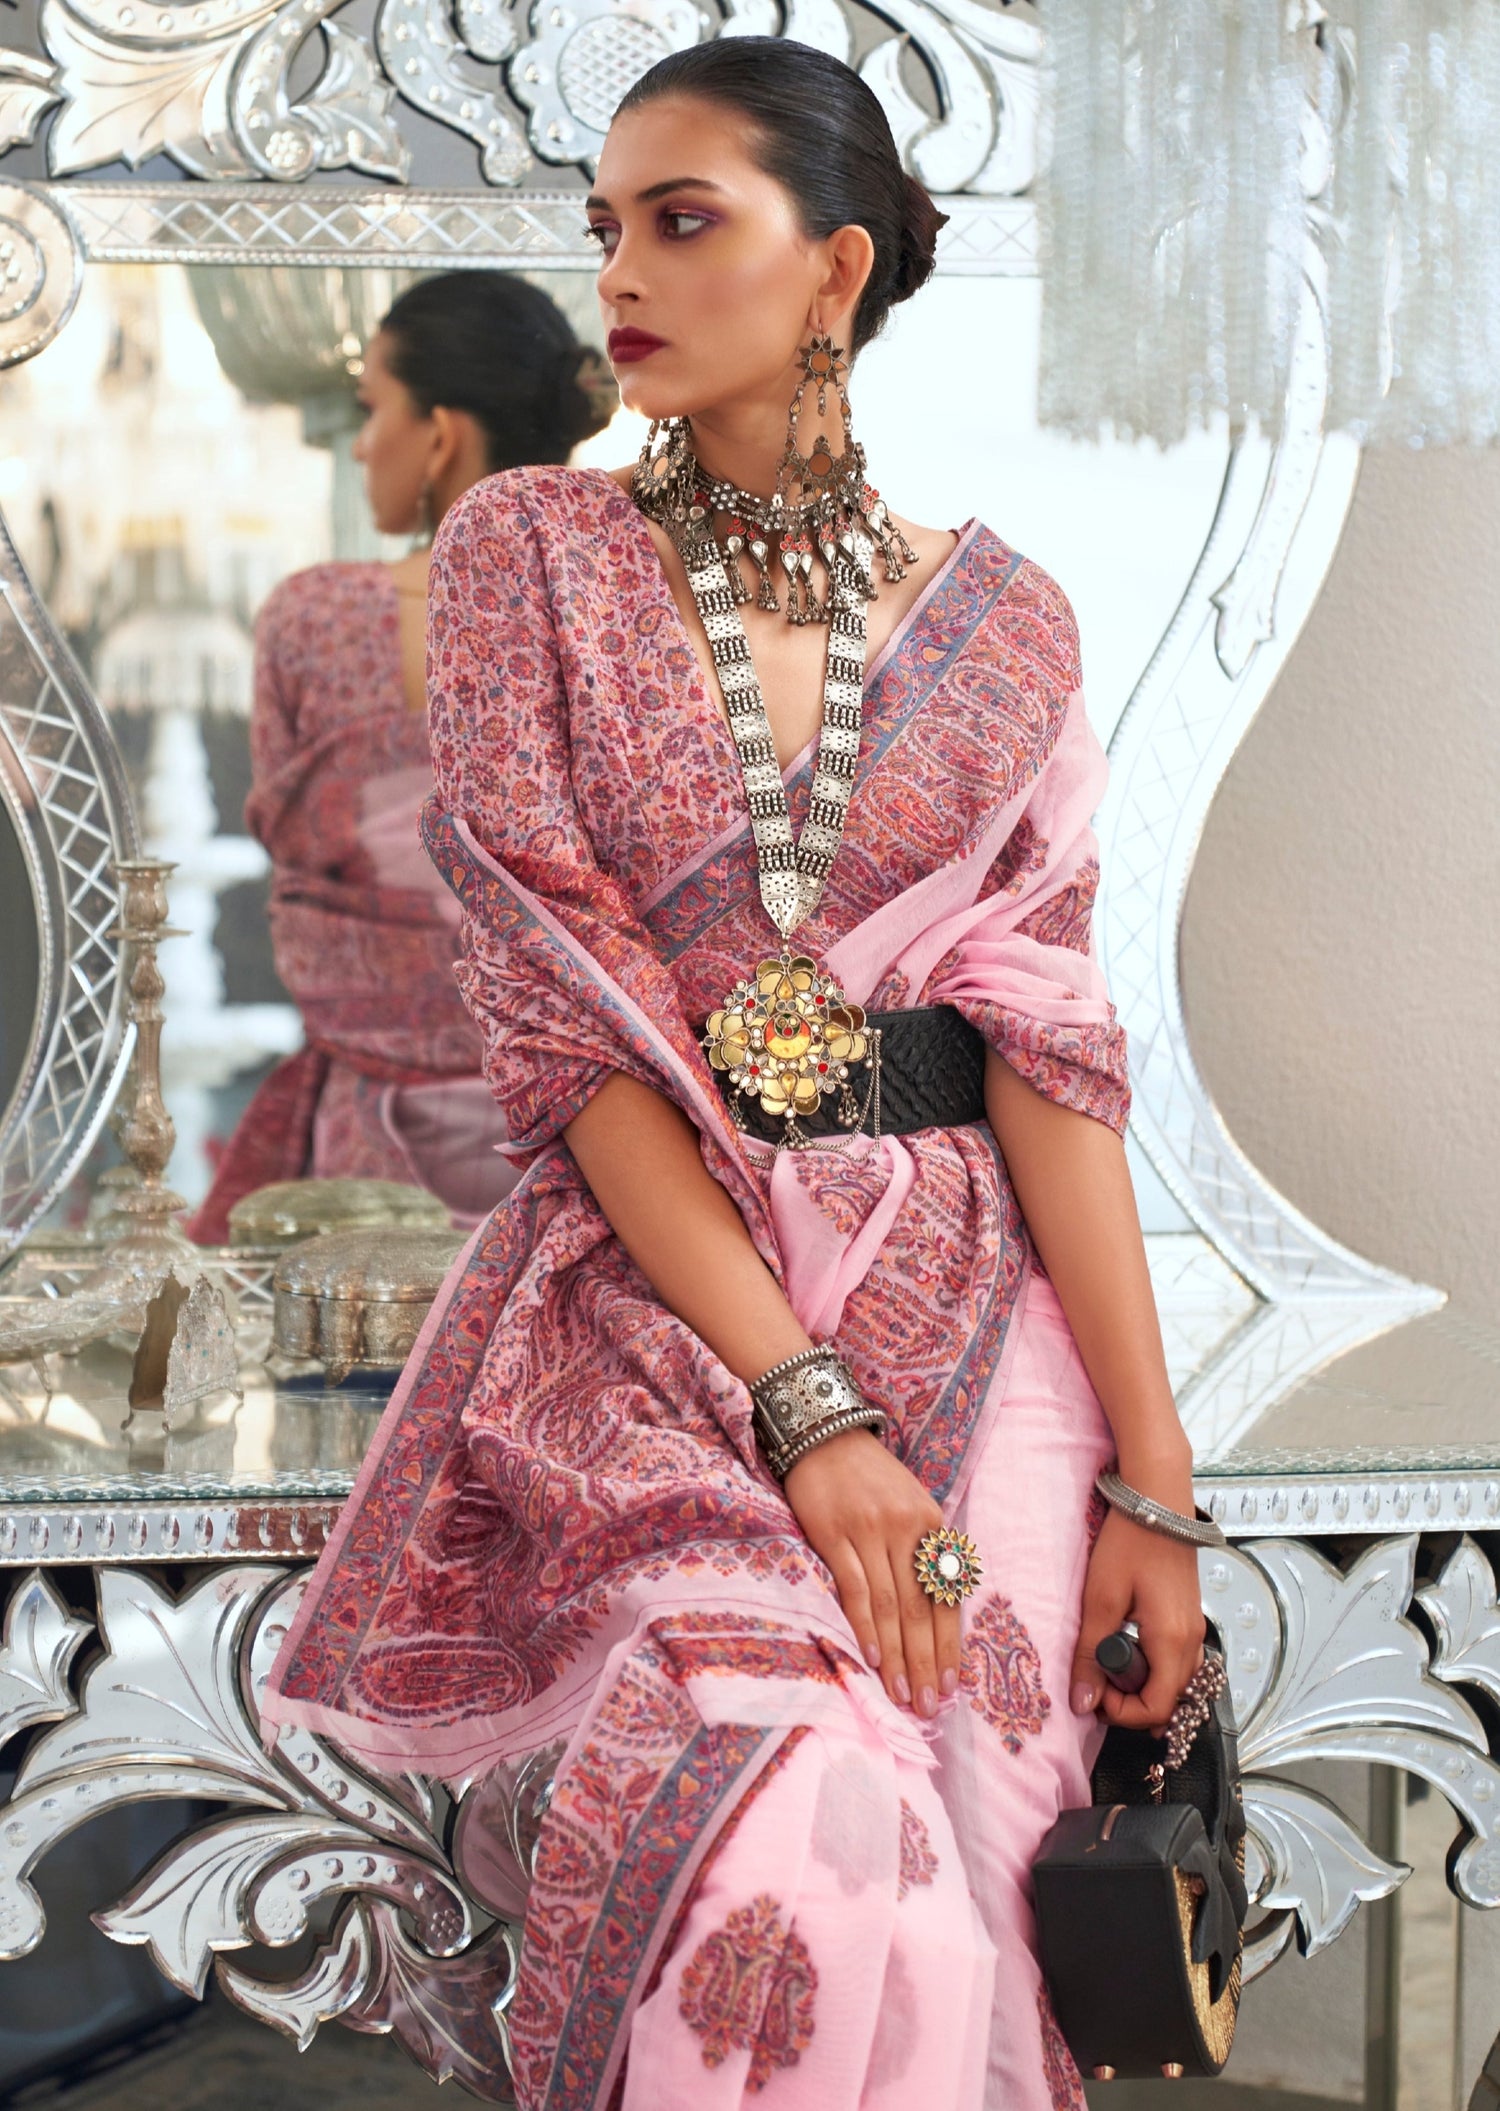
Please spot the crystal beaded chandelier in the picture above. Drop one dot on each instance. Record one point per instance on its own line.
(1208, 162)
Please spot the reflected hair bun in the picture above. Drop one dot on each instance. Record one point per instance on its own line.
(492, 344)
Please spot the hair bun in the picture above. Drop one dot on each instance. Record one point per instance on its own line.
(584, 396)
(920, 222)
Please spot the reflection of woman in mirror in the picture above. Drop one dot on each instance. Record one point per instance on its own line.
(803, 1783)
(470, 372)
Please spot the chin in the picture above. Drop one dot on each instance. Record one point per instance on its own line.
(648, 396)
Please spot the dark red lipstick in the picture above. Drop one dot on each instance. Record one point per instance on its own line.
(626, 346)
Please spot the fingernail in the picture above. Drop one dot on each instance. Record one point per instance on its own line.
(949, 1683)
(929, 1701)
(1082, 1698)
(872, 1655)
(903, 1691)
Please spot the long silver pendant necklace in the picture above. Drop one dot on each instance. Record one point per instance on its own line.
(785, 1035)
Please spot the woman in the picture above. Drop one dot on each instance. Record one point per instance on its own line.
(470, 372)
(789, 1843)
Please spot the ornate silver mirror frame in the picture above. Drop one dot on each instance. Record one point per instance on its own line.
(63, 787)
(963, 83)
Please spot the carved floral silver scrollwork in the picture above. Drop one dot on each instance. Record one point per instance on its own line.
(208, 83)
(1324, 1663)
(41, 270)
(421, 44)
(582, 57)
(169, 1710)
(28, 87)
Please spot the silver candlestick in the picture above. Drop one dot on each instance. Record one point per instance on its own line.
(140, 1231)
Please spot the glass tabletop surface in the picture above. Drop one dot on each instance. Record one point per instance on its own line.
(1418, 1397)
(1266, 1391)
(82, 1441)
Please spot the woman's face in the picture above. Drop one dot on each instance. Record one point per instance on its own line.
(394, 444)
(707, 280)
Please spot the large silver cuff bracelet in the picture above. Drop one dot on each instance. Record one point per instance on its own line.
(803, 1402)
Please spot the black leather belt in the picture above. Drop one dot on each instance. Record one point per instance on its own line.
(931, 1077)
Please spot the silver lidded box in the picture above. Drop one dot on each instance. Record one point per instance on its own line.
(356, 1300)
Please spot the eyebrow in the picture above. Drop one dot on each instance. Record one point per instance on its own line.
(595, 204)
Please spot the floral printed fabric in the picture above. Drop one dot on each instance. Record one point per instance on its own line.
(919, 1865)
(829, 1957)
(565, 1465)
(751, 1985)
(1002, 1674)
(369, 965)
(1063, 2079)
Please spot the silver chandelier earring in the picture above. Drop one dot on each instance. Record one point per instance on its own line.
(825, 512)
(830, 499)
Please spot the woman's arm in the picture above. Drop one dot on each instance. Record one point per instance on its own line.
(1074, 1188)
(860, 1509)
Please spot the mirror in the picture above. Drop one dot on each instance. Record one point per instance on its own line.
(213, 460)
(184, 445)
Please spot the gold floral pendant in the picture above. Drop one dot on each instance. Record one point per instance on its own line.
(788, 1037)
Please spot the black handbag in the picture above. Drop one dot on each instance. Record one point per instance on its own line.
(1141, 1903)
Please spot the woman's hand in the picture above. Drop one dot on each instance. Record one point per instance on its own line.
(863, 1513)
(1141, 1575)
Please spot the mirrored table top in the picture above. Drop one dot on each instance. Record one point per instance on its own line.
(1305, 1419)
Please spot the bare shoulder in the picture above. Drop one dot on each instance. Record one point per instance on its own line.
(409, 573)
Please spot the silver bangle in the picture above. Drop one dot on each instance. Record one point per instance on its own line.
(804, 1400)
(1155, 1516)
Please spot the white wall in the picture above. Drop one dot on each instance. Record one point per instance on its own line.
(1341, 945)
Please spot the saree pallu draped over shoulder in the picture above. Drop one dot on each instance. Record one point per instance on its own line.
(563, 1532)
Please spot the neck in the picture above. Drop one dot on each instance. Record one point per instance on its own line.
(469, 464)
(744, 445)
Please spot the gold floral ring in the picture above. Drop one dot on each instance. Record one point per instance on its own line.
(948, 1565)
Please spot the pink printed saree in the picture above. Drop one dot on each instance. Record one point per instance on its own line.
(364, 933)
(563, 1532)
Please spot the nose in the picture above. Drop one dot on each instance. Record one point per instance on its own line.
(619, 275)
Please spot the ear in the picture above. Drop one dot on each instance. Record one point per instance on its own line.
(445, 439)
(850, 258)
